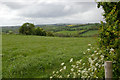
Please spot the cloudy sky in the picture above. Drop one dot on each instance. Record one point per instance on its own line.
(17, 12)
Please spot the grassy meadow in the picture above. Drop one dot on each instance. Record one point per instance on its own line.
(37, 56)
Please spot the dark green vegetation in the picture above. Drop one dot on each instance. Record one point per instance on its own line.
(29, 29)
(110, 34)
(37, 56)
(62, 30)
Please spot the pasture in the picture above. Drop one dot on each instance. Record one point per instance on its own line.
(37, 56)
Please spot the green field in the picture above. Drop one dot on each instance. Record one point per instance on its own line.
(90, 33)
(70, 32)
(36, 56)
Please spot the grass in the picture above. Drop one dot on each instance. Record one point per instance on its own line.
(70, 32)
(36, 56)
(90, 33)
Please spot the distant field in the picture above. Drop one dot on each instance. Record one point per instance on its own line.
(36, 56)
(90, 33)
(70, 32)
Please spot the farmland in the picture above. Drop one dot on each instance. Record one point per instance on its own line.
(37, 56)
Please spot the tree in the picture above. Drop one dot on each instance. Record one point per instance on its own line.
(27, 29)
(39, 31)
(110, 33)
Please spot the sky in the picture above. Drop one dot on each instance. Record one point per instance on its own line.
(17, 12)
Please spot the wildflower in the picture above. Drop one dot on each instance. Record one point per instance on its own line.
(89, 44)
(57, 72)
(92, 54)
(95, 69)
(112, 49)
(88, 49)
(71, 60)
(76, 66)
(80, 60)
(84, 53)
(95, 51)
(68, 75)
(64, 67)
(79, 71)
(62, 64)
(96, 64)
(103, 65)
(99, 66)
(61, 70)
(102, 56)
(77, 62)
(83, 63)
(73, 66)
(60, 76)
(51, 77)
(72, 69)
(53, 72)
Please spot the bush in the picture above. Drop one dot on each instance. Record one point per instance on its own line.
(27, 29)
(50, 34)
(39, 31)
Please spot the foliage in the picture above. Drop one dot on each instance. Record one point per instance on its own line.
(50, 34)
(91, 66)
(27, 29)
(39, 31)
(110, 33)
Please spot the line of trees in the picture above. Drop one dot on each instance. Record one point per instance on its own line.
(29, 29)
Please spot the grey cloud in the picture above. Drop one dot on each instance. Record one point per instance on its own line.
(43, 11)
(55, 10)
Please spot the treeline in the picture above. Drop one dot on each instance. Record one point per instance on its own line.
(30, 29)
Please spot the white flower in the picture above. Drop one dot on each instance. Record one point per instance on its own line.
(62, 64)
(60, 76)
(50, 76)
(112, 49)
(64, 67)
(95, 51)
(99, 66)
(79, 71)
(61, 70)
(71, 60)
(53, 72)
(88, 49)
(57, 72)
(73, 66)
(83, 63)
(84, 53)
(92, 54)
(96, 64)
(89, 69)
(102, 56)
(81, 60)
(77, 62)
(89, 44)
(76, 66)
(68, 75)
(72, 69)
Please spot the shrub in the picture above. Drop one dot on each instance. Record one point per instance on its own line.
(27, 29)
(39, 31)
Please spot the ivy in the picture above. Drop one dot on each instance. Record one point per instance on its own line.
(110, 34)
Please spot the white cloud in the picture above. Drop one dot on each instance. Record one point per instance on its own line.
(48, 11)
